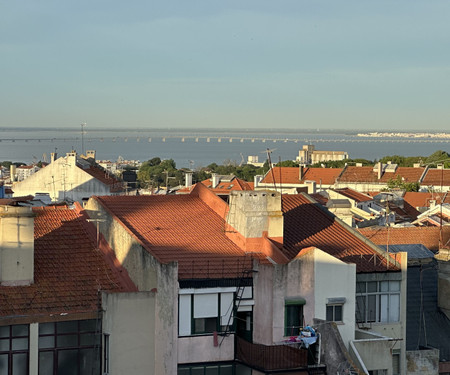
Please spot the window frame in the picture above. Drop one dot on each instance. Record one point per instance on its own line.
(11, 353)
(333, 307)
(290, 304)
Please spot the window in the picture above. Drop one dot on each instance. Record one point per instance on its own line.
(70, 347)
(293, 316)
(14, 348)
(334, 313)
(396, 362)
(378, 301)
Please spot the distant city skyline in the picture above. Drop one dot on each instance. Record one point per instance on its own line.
(358, 65)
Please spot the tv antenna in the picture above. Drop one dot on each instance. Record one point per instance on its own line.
(83, 125)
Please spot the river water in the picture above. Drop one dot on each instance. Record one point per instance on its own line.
(200, 147)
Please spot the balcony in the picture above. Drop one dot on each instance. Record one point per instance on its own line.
(275, 357)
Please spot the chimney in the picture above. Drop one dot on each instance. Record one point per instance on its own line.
(301, 172)
(188, 179)
(215, 180)
(90, 154)
(16, 245)
(254, 212)
(256, 180)
(358, 164)
(53, 156)
(12, 172)
(379, 170)
(312, 187)
(440, 166)
(416, 165)
(71, 158)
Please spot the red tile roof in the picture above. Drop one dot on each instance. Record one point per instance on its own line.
(106, 178)
(180, 228)
(367, 174)
(436, 177)
(224, 187)
(68, 269)
(423, 199)
(353, 194)
(307, 224)
(291, 175)
(427, 236)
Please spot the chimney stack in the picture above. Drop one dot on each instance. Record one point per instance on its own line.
(188, 179)
(256, 180)
(12, 172)
(53, 156)
(379, 170)
(301, 172)
(16, 245)
(215, 180)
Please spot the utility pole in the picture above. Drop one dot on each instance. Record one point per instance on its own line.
(83, 124)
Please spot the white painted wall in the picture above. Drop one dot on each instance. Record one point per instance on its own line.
(334, 279)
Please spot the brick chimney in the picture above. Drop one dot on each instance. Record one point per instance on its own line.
(16, 245)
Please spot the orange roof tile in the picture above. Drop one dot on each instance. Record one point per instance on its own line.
(224, 187)
(427, 236)
(423, 199)
(68, 269)
(436, 177)
(367, 174)
(291, 175)
(180, 228)
(308, 224)
(105, 177)
(353, 194)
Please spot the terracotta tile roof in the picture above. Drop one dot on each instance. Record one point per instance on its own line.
(68, 272)
(291, 175)
(353, 194)
(436, 177)
(367, 174)
(224, 187)
(422, 199)
(106, 178)
(427, 236)
(308, 224)
(180, 228)
(319, 198)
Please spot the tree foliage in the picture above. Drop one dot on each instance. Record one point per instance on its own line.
(398, 183)
(157, 172)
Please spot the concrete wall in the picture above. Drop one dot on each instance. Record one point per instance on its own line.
(148, 275)
(16, 245)
(342, 284)
(422, 362)
(62, 180)
(201, 349)
(129, 319)
(376, 353)
(444, 281)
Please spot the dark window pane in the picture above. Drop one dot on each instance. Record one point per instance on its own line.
(360, 309)
(197, 371)
(20, 330)
(45, 363)
(294, 318)
(67, 327)
(46, 328)
(372, 287)
(19, 344)
(67, 362)
(4, 331)
(183, 371)
(89, 361)
(329, 313)
(226, 370)
(212, 370)
(205, 325)
(4, 345)
(20, 364)
(88, 325)
(372, 309)
(338, 313)
(87, 339)
(360, 287)
(65, 341)
(46, 342)
(3, 364)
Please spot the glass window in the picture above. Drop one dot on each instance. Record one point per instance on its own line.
(205, 325)
(14, 349)
(334, 313)
(293, 320)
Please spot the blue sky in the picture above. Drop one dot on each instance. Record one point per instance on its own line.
(237, 64)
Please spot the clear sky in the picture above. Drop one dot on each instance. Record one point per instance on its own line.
(238, 64)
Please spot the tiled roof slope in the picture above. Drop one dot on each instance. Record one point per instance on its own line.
(291, 175)
(180, 228)
(68, 272)
(307, 224)
(423, 199)
(105, 178)
(436, 177)
(427, 236)
(353, 194)
(367, 174)
(224, 187)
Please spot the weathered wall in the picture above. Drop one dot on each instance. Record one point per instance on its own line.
(263, 308)
(422, 362)
(129, 319)
(375, 353)
(444, 281)
(16, 245)
(201, 349)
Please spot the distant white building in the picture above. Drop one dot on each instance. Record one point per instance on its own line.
(25, 171)
(309, 155)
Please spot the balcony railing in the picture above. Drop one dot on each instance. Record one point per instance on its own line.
(271, 357)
